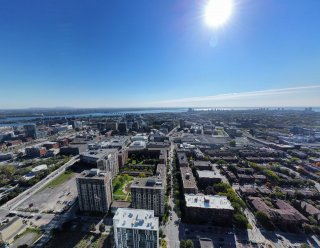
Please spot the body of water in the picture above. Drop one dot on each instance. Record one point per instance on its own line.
(16, 121)
(27, 119)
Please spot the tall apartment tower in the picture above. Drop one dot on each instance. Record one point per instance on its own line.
(148, 193)
(135, 228)
(30, 130)
(95, 191)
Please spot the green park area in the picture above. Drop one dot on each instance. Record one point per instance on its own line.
(220, 131)
(121, 187)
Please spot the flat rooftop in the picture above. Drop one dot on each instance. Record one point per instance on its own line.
(115, 141)
(199, 163)
(203, 139)
(49, 143)
(120, 204)
(136, 219)
(188, 179)
(208, 174)
(93, 174)
(149, 182)
(207, 201)
(182, 157)
(205, 243)
(98, 154)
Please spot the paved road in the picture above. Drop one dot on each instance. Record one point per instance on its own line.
(15, 202)
(56, 222)
(173, 228)
(254, 234)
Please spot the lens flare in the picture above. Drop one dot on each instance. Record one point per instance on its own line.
(217, 12)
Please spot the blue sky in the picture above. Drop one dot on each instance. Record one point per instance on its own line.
(144, 53)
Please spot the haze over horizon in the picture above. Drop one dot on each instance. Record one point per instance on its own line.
(158, 54)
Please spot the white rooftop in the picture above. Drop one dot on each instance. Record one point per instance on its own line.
(208, 174)
(136, 219)
(207, 201)
(40, 168)
(138, 143)
(139, 136)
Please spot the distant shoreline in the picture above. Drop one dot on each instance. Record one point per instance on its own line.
(9, 117)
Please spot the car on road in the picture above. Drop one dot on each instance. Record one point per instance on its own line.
(280, 237)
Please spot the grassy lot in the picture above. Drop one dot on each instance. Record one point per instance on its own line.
(221, 132)
(65, 176)
(92, 241)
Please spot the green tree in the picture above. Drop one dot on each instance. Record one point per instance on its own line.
(8, 170)
(102, 227)
(264, 220)
(93, 227)
(186, 243)
(142, 175)
(221, 187)
(240, 220)
(221, 161)
(305, 246)
(232, 143)
(161, 234)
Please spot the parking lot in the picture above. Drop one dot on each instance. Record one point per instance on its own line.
(52, 199)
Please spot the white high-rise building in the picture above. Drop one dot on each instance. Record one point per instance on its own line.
(135, 228)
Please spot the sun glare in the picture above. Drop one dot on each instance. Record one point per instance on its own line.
(217, 12)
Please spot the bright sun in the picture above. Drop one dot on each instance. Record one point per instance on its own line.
(217, 12)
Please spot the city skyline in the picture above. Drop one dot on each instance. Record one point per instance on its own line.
(160, 124)
(157, 54)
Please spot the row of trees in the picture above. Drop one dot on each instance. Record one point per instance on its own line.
(239, 219)
(9, 174)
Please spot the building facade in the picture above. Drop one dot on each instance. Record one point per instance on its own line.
(148, 193)
(103, 159)
(189, 183)
(207, 209)
(95, 191)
